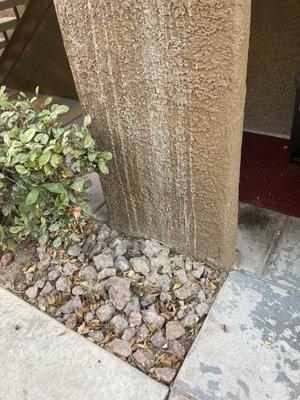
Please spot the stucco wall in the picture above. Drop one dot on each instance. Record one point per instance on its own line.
(274, 58)
(164, 81)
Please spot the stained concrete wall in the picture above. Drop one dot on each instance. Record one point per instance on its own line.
(274, 58)
(164, 81)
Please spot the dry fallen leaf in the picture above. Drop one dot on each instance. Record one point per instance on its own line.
(176, 285)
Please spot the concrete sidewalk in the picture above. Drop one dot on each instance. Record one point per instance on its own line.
(41, 360)
(248, 347)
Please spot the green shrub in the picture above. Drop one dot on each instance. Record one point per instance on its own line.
(42, 168)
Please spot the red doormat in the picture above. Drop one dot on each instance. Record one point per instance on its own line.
(267, 178)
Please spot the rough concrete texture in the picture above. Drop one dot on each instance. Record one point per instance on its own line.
(247, 347)
(41, 359)
(283, 266)
(268, 246)
(164, 82)
(258, 228)
(274, 58)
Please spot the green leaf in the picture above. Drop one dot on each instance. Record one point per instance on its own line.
(48, 101)
(48, 169)
(54, 227)
(44, 158)
(43, 240)
(64, 198)
(27, 135)
(16, 229)
(103, 168)
(56, 160)
(78, 186)
(87, 120)
(32, 196)
(62, 109)
(21, 169)
(106, 155)
(88, 141)
(57, 242)
(92, 157)
(54, 187)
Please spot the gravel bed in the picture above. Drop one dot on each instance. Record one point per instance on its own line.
(136, 298)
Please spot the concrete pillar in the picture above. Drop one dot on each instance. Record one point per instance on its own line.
(164, 82)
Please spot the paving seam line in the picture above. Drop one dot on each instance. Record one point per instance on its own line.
(275, 240)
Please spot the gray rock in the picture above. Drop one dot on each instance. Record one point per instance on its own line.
(178, 261)
(41, 250)
(190, 320)
(32, 292)
(88, 274)
(165, 297)
(144, 358)
(62, 284)
(74, 238)
(185, 291)
(174, 330)
(103, 261)
(158, 339)
(158, 279)
(77, 290)
(88, 317)
(135, 319)
(129, 334)
(181, 314)
(99, 289)
(150, 248)
(105, 312)
(104, 233)
(202, 309)
(89, 243)
(53, 275)
(106, 273)
(132, 306)
(96, 336)
(70, 306)
(135, 250)
(188, 266)
(69, 269)
(178, 349)
(71, 321)
(96, 249)
(180, 276)
(165, 287)
(40, 283)
(165, 374)
(119, 292)
(120, 247)
(119, 323)
(81, 257)
(152, 319)
(148, 300)
(198, 269)
(74, 250)
(140, 265)
(47, 289)
(201, 296)
(122, 264)
(142, 333)
(120, 347)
